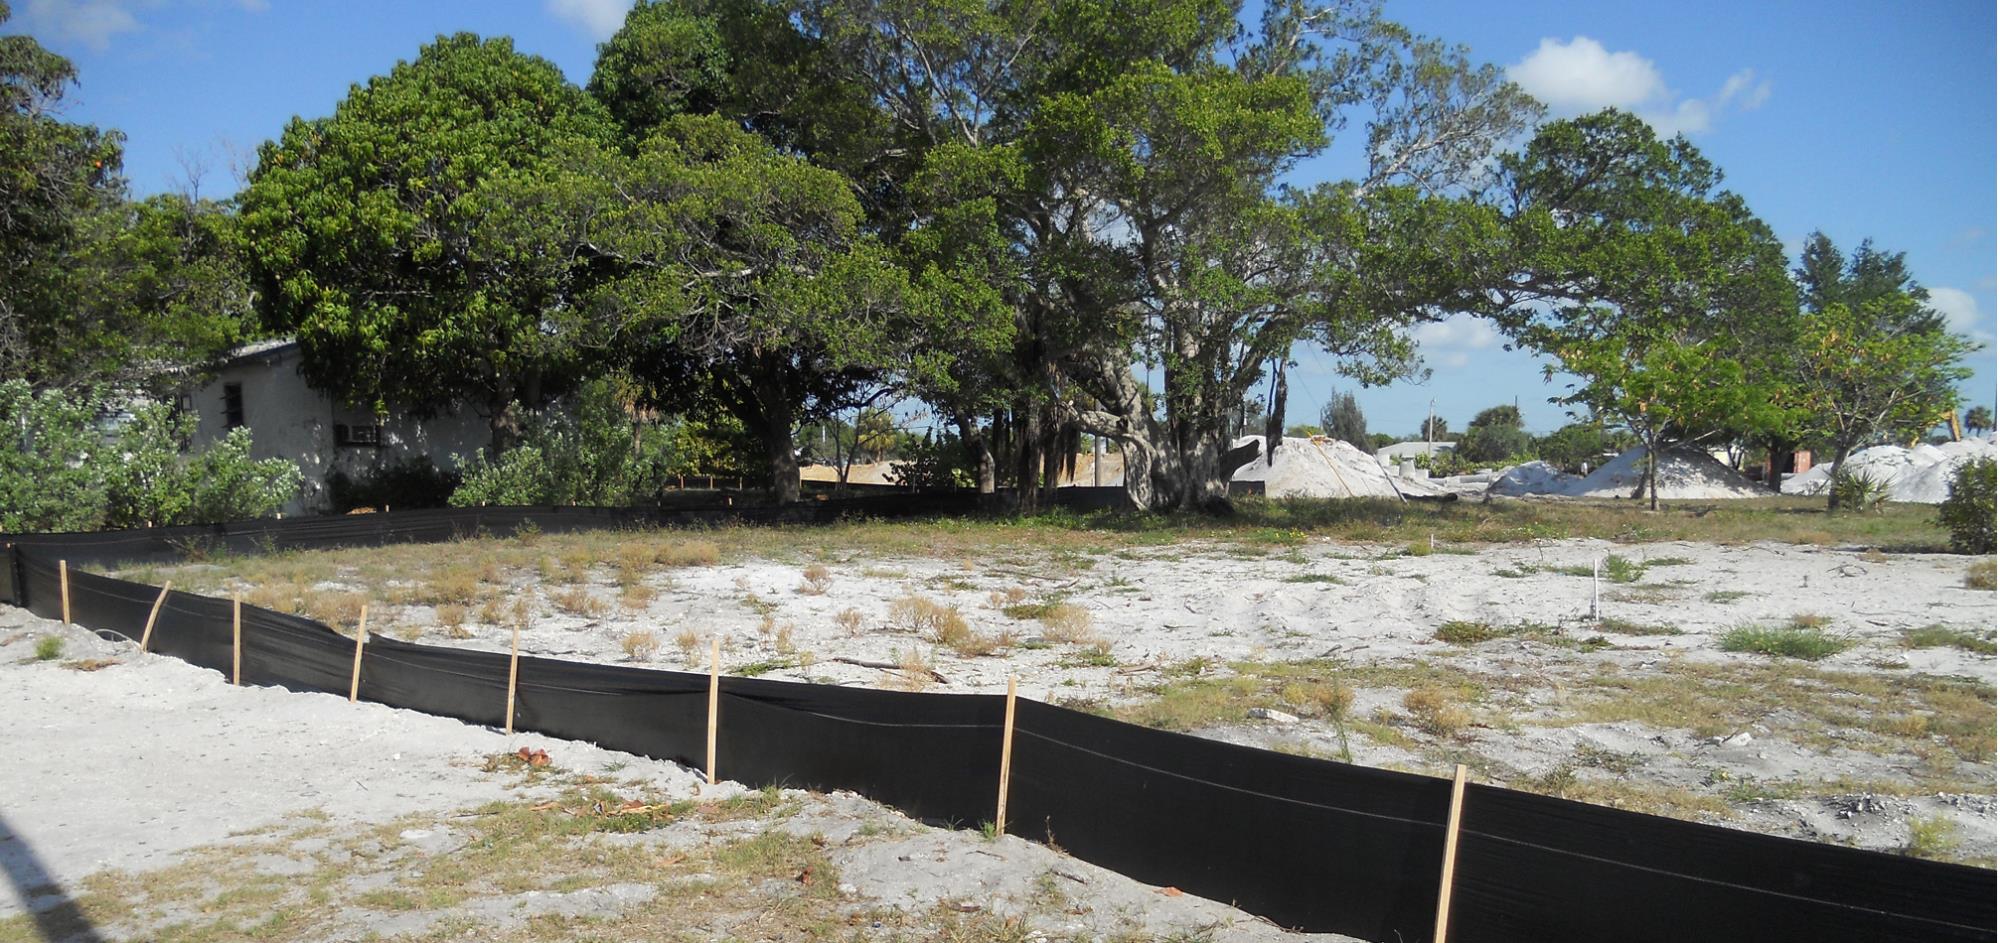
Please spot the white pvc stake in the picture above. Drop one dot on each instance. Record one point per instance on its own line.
(1595, 566)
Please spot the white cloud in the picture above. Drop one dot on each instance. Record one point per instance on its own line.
(599, 18)
(1450, 343)
(1581, 76)
(90, 22)
(1961, 313)
(1458, 332)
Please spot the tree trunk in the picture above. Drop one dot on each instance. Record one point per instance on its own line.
(1028, 460)
(774, 412)
(980, 444)
(781, 460)
(1833, 476)
(1777, 457)
(1653, 479)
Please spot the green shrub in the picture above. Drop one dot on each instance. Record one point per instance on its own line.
(594, 452)
(48, 648)
(1860, 491)
(1810, 644)
(1967, 511)
(64, 468)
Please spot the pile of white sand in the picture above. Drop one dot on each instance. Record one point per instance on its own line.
(1683, 475)
(1320, 467)
(1921, 474)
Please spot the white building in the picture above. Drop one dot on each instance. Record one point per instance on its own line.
(259, 386)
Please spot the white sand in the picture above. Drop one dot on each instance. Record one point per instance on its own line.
(1321, 467)
(1921, 474)
(1683, 475)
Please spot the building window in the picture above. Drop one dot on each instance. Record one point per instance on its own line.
(232, 405)
(369, 436)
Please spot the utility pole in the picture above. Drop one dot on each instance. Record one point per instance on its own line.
(1430, 419)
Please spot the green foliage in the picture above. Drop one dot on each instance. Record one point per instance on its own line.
(1304, 430)
(1808, 643)
(940, 462)
(1495, 444)
(1343, 420)
(1575, 445)
(405, 243)
(65, 471)
(593, 452)
(1968, 508)
(1860, 491)
(48, 648)
(1978, 419)
(414, 483)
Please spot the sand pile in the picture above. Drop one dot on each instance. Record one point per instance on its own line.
(1921, 474)
(1683, 475)
(1320, 467)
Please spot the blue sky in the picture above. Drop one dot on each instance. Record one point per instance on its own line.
(1861, 119)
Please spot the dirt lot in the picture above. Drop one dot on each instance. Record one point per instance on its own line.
(1812, 688)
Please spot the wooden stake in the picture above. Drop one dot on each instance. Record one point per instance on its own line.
(714, 699)
(1450, 851)
(236, 622)
(360, 639)
(146, 637)
(62, 567)
(513, 675)
(1006, 762)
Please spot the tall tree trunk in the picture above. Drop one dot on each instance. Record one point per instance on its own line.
(773, 413)
(1777, 457)
(979, 442)
(1653, 479)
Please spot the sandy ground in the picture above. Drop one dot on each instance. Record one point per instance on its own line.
(150, 764)
(182, 761)
(1164, 613)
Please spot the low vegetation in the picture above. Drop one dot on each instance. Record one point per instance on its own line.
(1808, 642)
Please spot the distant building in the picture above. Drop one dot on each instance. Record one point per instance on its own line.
(1398, 451)
(259, 387)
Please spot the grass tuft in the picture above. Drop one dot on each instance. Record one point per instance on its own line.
(48, 648)
(1944, 636)
(1792, 641)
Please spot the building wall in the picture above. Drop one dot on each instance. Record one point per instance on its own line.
(288, 419)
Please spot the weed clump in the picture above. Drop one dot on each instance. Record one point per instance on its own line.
(1807, 642)
(1461, 632)
(818, 579)
(641, 645)
(1436, 712)
(48, 648)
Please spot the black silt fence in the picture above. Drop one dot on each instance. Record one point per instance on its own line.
(1308, 843)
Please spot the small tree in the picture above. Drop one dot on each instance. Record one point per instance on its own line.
(1495, 435)
(1434, 429)
(1978, 419)
(1968, 510)
(1862, 375)
(1342, 419)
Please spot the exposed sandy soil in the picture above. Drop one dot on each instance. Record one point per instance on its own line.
(1887, 744)
(173, 805)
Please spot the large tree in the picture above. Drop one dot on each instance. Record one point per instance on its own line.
(1637, 273)
(374, 242)
(1119, 170)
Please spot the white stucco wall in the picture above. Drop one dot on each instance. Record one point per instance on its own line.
(288, 419)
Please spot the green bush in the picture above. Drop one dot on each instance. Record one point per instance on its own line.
(1486, 445)
(1807, 643)
(66, 469)
(1859, 491)
(1967, 511)
(48, 648)
(593, 453)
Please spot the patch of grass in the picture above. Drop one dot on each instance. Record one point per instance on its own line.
(1436, 711)
(1626, 627)
(577, 600)
(1944, 636)
(1327, 578)
(849, 620)
(48, 648)
(1726, 595)
(817, 580)
(1982, 575)
(640, 645)
(1459, 632)
(1792, 641)
(1935, 837)
(1065, 622)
